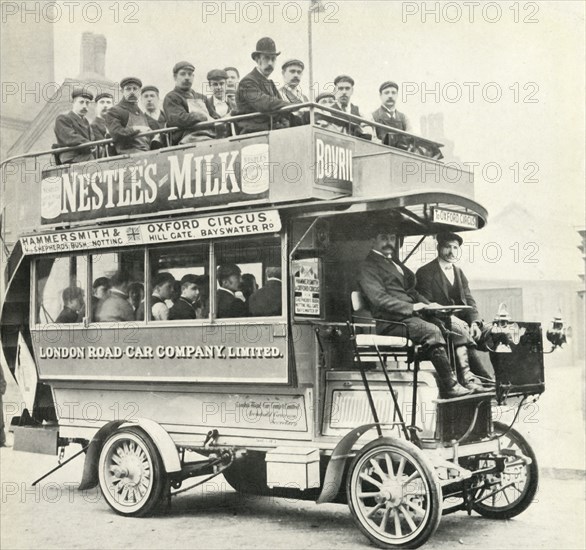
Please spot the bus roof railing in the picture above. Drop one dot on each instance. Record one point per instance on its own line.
(312, 107)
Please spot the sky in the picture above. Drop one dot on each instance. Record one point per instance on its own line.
(449, 57)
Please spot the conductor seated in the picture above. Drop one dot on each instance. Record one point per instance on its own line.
(227, 304)
(389, 287)
(266, 302)
(445, 283)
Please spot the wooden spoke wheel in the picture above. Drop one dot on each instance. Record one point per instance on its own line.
(507, 494)
(131, 473)
(394, 494)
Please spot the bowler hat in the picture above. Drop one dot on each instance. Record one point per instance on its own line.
(343, 78)
(447, 237)
(290, 62)
(80, 92)
(103, 95)
(150, 88)
(388, 84)
(182, 65)
(130, 80)
(265, 46)
(217, 74)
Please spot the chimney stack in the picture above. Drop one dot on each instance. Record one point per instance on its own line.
(93, 55)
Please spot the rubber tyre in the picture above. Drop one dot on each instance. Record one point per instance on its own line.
(140, 491)
(524, 500)
(415, 462)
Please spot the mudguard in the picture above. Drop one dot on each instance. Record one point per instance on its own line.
(335, 471)
(158, 435)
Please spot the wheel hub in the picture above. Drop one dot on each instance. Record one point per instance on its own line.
(391, 493)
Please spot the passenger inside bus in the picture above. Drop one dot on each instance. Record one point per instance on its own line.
(116, 307)
(101, 290)
(185, 306)
(136, 297)
(248, 287)
(266, 301)
(73, 303)
(162, 290)
(229, 277)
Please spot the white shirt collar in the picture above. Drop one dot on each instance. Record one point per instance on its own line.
(227, 290)
(446, 266)
(273, 279)
(392, 112)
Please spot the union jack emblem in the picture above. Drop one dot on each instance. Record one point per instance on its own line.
(133, 234)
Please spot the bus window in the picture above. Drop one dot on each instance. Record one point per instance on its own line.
(248, 278)
(179, 282)
(61, 284)
(117, 286)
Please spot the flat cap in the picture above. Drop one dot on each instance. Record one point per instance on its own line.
(150, 88)
(80, 92)
(183, 65)
(388, 84)
(447, 237)
(130, 80)
(190, 279)
(103, 95)
(290, 62)
(217, 74)
(343, 78)
(323, 95)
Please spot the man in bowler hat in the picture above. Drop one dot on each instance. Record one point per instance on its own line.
(258, 94)
(75, 129)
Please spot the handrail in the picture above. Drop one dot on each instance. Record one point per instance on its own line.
(335, 113)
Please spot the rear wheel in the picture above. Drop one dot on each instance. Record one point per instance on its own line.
(507, 494)
(131, 473)
(393, 494)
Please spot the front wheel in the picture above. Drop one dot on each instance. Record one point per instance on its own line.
(507, 494)
(131, 473)
(393, 494)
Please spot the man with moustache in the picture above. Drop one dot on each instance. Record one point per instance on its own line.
(389, 288)
(388, 115)
(292, 71)
(126, 121)
(186, 109)
(344, 90)
(258, 94)
(74, 129)
(445, 283)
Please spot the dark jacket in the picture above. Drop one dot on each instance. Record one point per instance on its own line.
(266, 301)
(227, 305)
(72, 130)
(99, 128)
(67, 315)
(353, 127)
(177, 112)
(257, 94)
(390, 295)
(157, 123)
(291, 97)
(382, 116)
(182, 309)
(117, 122)
(434, 285)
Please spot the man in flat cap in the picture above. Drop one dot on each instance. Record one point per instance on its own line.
(185, 108)
(74, 129)
(150, 101)
(258, 94)
(443, 282)
(229, 277)
(219, 104)
(185, 306)
(323, 120)
(388, 115)
(104, 102)
(344, 89)
(232, 82)
(292, 71)
(126, 121)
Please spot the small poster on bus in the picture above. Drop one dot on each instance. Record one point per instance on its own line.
(306, 287)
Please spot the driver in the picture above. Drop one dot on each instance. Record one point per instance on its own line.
(389, 287)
